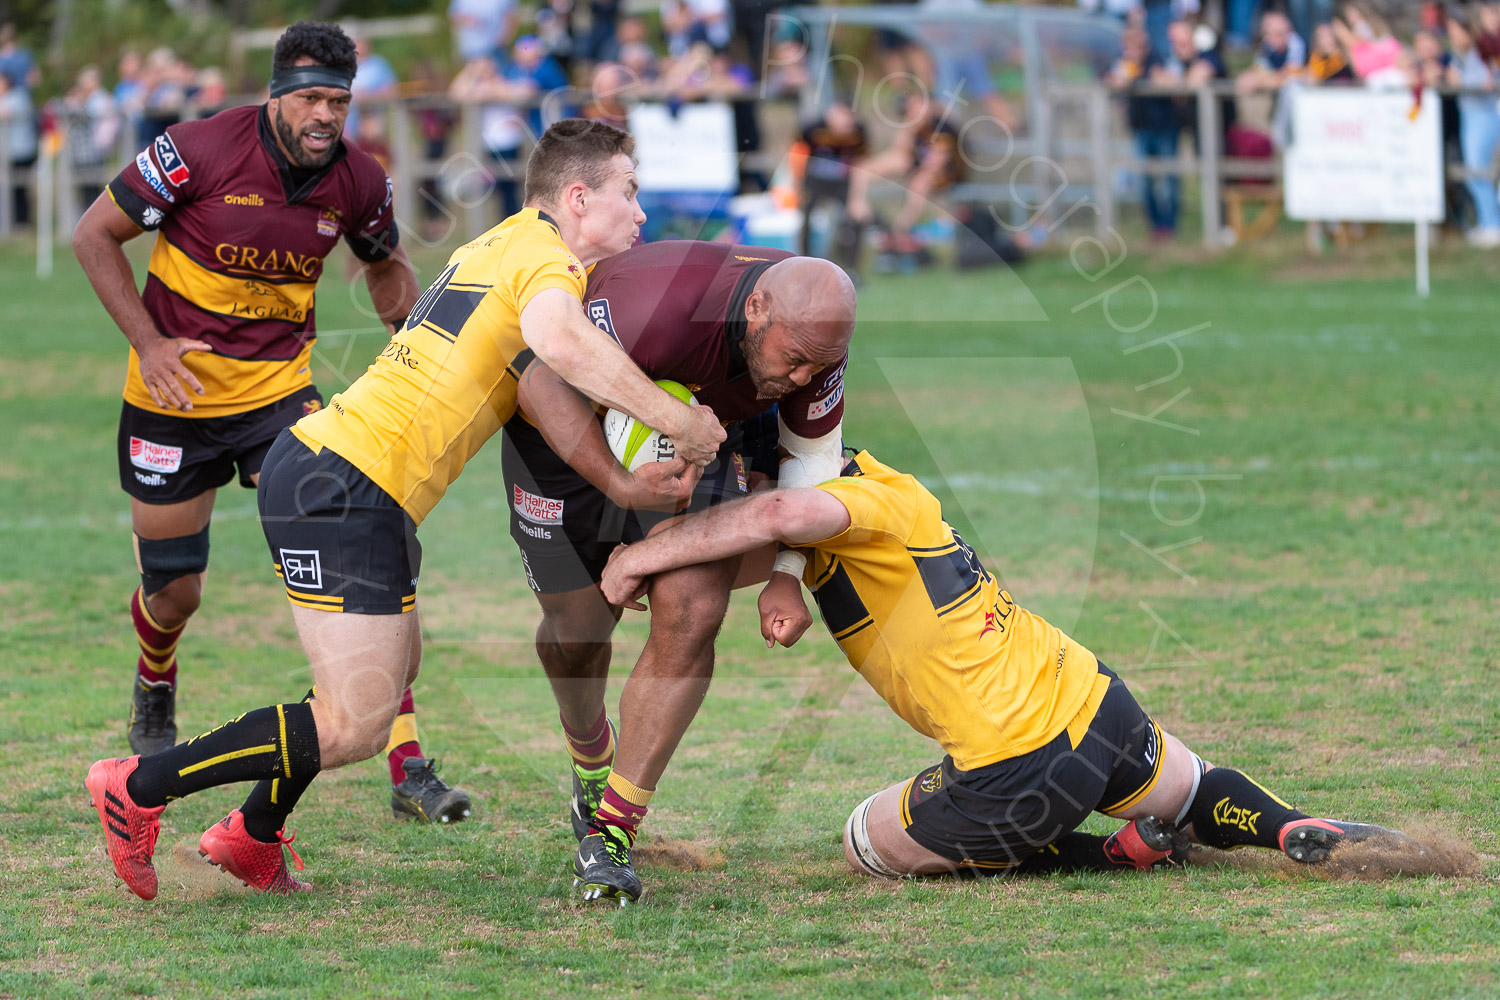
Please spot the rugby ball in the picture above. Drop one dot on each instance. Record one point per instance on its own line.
(633, 443)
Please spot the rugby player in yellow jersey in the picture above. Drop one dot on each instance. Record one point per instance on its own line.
(343, 491)
(1038, 732)
(244, 206)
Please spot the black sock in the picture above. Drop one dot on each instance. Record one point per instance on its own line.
(1230, 810)
(269, 803)
(272, 800)
(276, 742)
(1072, 852)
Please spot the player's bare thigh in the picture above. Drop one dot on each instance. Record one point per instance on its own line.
(1173, 785)
(171, 520)
(361, 664)
(874, 830)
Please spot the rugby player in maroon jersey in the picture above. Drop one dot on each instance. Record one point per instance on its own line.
(245, 206)
(744, 328)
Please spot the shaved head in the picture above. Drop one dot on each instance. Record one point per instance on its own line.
(811, 296)
(798, 321)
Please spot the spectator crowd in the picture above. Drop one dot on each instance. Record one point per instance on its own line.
(523, 66)
(1455, 46)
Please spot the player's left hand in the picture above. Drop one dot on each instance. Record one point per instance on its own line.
(664, 486)
(783, 612)
(621, 586)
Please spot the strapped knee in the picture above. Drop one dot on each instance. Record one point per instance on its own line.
(857, 841)
(166, 559)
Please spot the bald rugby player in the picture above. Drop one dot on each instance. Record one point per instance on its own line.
(744, 328)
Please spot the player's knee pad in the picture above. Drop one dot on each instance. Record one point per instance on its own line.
(857, 841)
(166, 559)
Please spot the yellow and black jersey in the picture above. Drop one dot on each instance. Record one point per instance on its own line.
(923, 621)
(447, 381)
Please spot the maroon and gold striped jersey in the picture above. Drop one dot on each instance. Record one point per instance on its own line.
(240, 239)
(678, 309)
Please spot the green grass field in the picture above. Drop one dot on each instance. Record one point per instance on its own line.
(1322, 614)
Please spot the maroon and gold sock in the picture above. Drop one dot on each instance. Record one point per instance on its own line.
(594, 748)
(158, 660)
(403, 744)
(623, 806)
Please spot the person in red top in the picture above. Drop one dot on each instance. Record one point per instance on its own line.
(745, 329)
(245, 206)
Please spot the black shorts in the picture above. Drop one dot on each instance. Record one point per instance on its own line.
(338, 541)
(998, 815)
(168, 459)
(566, 528)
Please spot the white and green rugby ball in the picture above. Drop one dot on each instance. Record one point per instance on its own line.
(633, 443)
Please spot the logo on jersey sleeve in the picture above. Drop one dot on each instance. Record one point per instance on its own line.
(824, 406)
(302, 568)
(154, 457)
(151, 177)
(390, 194)
(171, 162)
(151, 217)
(598, 310)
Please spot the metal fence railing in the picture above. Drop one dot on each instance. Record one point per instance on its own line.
(1072, 149)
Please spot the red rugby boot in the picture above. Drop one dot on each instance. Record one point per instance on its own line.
(260, 866)
(1313, 841)
(129, 831)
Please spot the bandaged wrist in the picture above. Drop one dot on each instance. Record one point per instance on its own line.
(790, 562)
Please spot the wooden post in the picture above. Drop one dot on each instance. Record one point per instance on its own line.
(7, 180)
(1041, 138)
(46, 202)
(1099, 147)
(470, 143)
(406, 164)
(1208, 164)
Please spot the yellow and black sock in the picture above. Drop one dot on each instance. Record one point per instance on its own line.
(158, 660)
(276, 742)
(272, 800)
(1231, 810)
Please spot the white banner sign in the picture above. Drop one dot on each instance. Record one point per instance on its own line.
(1362, 156)
(693, 150)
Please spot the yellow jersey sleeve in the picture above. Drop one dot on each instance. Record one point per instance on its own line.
(536, 263)
(876, 510)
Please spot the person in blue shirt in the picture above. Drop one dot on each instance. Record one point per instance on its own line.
(17, 64)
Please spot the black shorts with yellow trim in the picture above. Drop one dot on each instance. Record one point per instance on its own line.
(167, 458)
(998, 815)
(338, 541)
(566, 529)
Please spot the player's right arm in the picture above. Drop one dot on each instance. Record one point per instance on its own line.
(554, 326)
(803, 516)
(571, 428)
(99, 243)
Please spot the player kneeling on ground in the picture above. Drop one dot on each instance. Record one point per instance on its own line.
(1038, 732)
